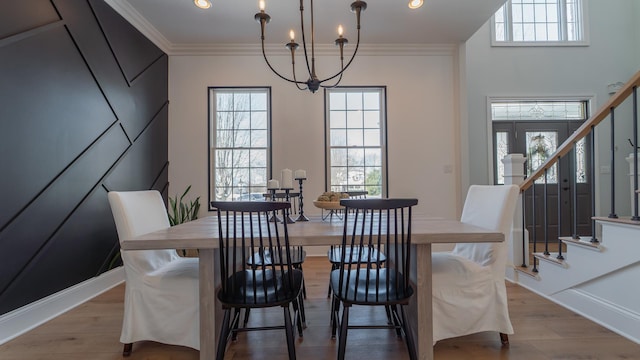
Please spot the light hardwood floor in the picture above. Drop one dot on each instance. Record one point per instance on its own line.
(543, 330)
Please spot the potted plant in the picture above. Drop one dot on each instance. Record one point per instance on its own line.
(180, 211)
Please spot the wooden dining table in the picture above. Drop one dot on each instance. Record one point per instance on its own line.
(202, 234)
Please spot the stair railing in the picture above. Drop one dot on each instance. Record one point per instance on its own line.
(567, 148)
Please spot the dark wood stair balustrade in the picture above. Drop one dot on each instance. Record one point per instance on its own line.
(546, 241)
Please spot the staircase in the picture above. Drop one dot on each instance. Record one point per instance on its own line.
(599, 282)
(597, 278)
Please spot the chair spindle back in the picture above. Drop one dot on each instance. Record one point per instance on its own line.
(245, 229)
(385, 226)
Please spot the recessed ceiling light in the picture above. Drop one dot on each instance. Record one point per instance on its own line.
(202, 4)
(414, 4)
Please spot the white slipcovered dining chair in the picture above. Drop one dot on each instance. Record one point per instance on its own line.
(161, 300)
(469, 292)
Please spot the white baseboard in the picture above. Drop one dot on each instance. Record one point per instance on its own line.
(619, 320)
(19, 321)
(612, 316)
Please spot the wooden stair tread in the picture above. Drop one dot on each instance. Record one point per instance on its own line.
(527, 271)
(552, 258)
(583, 241)
(624, 220)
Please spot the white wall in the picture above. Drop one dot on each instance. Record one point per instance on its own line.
(636, 4)
(551, 71)
(422, 112)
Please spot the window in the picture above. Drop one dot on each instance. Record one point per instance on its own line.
(539, 22)
(356, 140)
(239, 143)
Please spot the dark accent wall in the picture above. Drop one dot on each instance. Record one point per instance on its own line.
(83, 110)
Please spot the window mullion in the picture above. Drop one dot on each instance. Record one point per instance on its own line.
(562, 20)
(508, 23)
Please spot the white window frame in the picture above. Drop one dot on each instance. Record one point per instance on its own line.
(583, 19)
(381, 90)
(257, 188)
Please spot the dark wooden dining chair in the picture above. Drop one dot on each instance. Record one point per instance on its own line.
(382, 224)
(245, 229)
(266, 257)
(361, 255)
(298, 254)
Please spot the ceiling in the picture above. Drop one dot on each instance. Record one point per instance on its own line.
(179, 23)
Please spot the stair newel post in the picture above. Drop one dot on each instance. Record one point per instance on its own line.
(632, 159)
(514, 175)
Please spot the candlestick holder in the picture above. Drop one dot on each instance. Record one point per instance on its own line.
(301, 216)
(287, 214)
(274, 217)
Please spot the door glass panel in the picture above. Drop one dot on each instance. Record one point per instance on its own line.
(502, 150)
(540, 145)
(581, 162)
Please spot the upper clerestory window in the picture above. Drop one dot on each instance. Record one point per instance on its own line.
(540, 23)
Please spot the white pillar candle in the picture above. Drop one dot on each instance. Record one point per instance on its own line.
(287, 179)
(273, 184)
(300, 174)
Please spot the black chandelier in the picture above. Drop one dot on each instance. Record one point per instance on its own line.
(313, 83)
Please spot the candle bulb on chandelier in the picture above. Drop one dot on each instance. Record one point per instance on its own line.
(340, 30)
(261, 5)
(292, 35)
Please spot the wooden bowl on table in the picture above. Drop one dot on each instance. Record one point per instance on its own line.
(328, 205)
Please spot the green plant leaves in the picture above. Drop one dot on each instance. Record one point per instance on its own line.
(180, 211)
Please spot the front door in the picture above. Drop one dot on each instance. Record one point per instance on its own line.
(537, 140)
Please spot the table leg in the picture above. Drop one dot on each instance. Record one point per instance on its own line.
(208, 327)
(421, 308)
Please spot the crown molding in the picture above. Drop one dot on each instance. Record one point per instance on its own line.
(320, 50)
(171, 49)
(139, 22)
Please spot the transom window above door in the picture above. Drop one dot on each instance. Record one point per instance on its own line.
(535, 128)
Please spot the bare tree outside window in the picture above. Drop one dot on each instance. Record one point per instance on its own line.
(239, 143)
